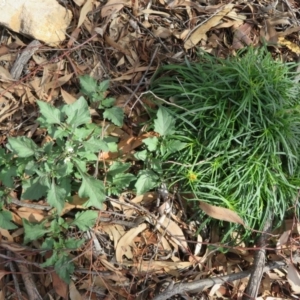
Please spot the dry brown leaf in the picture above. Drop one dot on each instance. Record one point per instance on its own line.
(162, 32)
(240, 37)
(200, 33)
(60, 287)
(58, 82)
(78, 2)
(153, 12)
(293, 278)
(113, 6)
(86, 8)
(159, 266)
(123, 247)
(74, 294)
(283, 239)
(68, 98)
(175, 233)
(221, 213)
(290, 45)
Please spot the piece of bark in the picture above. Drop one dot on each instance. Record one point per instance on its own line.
(22, 60)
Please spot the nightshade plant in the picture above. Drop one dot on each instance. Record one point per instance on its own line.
(241, 119)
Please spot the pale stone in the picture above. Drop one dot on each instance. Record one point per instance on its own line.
(44, 20)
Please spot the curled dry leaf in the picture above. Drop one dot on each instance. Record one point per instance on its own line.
(200, 32)
(74, 294)
(123, 247)
(293, 278)
(221, 213)
(113, 6)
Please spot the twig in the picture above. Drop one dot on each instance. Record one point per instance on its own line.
(259, 261)
(30, 205)
(14, 275)
(199, 285)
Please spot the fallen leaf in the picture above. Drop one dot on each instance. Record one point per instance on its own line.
(68, 98)
(123, 247)
(200, 33)
(86, 8)
(221, 213)
(60, 287)
(113, 6)
(74, 294)
(293, 278)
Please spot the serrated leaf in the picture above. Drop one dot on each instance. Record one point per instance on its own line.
(51, 114)
(103, 86)
(151, 143)
(33, 231)
(6, 176)
(175, 145)
(22, 146)
(73, 244)
(93, 189)
(64, 267)
(114, 114)
(88, 85)
(165, 123)
(5, 220)
(85, 220)
(56, 197)
(78, 113)
(108, 102)
(118, 167)
(34, 190)
(123, 180)
(141, 155)
(95, 145)
(147, 180)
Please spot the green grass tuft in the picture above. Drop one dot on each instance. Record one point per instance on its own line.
(241, 119)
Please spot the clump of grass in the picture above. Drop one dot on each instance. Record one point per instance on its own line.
(241, 119)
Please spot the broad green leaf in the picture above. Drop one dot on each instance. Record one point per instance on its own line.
(51, 114)
(5, 220)
(156, 165)
(123, 180)
(151, 143)
(118, 167)
(78, 113)
(87, 156)
(103, 86)
(175, 145)
(52, 259)
(81, 134)
(7, 174)
(34, 190)
(81, 165)
(141, 155)
(48, 244)
(165, 123)
(88, 85)
(33, 231)
(22, 146)
(56, 197)
(64, 267)
(73, 244)
(93, 189)
(147, 180)
(95, 145)
(114, 114)
(85, 220)
(108, 102)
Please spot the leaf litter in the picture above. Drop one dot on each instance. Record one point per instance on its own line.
(133, 251)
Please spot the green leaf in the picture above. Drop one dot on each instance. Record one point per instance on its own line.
(123, 180)
(22, 146)
(88, 85)
(175, 145)
(87, 156)
(95, 145)
(51, 114)
(103, 86)
(73, 244)
(5, 220)
(33, 231)
(118, 167)
(34, 190)
(48, 244)
(165, 123)
(108, 102)
(151, 143)
(56, 197)
(78, 113)
(64, 267)
(141, 155)
(147, 180)
(85, 220)
(114, 114)
(92, 189)
(7, 174)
